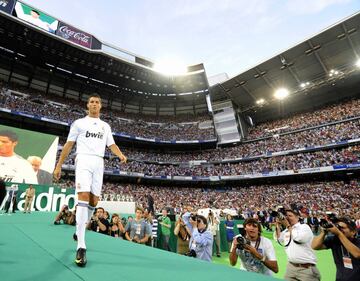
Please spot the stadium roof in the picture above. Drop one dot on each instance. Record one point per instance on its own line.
(32, 54)
(319, 70)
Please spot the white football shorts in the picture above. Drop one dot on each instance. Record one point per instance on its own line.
(89, 172)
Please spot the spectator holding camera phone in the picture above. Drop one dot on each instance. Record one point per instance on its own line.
(296, 238)
(201, 240)
(116, 228)
(98, 223)
(340, 236)
(257, 254)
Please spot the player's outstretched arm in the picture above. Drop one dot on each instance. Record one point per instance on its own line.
(116, 150)
(64, 154)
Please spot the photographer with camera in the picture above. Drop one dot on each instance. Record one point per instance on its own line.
(257, 254)
(340, 236)
(183, 236)
(201, 240)
(296, 238)
(214, 223)
(98, 223)
(66, 216)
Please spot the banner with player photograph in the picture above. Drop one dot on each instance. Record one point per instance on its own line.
(27, 156)
(7, 6)
(35, 17)
(74, 35)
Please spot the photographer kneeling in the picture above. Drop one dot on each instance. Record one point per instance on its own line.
(201, 240)
(345, 246)
(257, 254)
(66, 216)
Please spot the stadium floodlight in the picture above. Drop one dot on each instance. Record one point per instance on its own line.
(170, 67)
(281, 93)
(358, 63)
(333, 72)
(304, 84)
(260, 101)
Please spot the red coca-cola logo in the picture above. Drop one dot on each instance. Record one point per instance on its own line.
(76, 35)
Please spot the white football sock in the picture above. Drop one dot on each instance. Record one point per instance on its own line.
(90, 212)
(81, 221)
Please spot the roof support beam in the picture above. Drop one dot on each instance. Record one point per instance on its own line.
(245, 89)
(317, 56)
(350, 41)
(258, 71)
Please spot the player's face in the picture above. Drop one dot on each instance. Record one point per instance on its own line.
(94, 106)
(34, 15)
(7, 146)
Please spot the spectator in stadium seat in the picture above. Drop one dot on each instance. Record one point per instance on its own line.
(137, 230)
(345, 246)
(98, 223)
(43, 177)
(14, 168)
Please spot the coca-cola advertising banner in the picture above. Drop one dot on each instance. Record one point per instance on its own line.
(74, 35)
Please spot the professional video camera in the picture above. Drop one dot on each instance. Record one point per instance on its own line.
(324, 223)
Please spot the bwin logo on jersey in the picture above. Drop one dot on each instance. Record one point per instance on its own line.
(98, 135)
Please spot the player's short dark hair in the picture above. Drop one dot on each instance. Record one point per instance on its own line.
(36, 12)
(94, 96)
(11, 135)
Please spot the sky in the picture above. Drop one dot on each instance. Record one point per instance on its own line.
(228, 36)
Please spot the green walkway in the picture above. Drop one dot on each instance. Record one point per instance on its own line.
(33, 248)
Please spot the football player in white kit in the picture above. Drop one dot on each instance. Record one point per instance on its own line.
(91, 135)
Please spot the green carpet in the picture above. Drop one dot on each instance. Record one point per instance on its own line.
(33, 248)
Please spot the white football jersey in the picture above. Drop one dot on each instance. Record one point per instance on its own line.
(17, 169)
(91, 135)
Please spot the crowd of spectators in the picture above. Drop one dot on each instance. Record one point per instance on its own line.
(182, 127)
(315, 137)
(311, 118)
(298, 161)
(338, 197)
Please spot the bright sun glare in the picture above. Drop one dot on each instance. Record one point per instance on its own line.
(170, 67)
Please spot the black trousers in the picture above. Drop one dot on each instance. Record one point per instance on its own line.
(7, 206)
